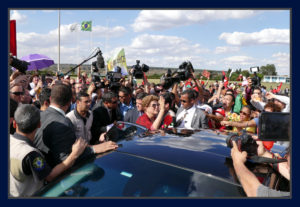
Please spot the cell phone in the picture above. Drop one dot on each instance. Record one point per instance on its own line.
(274, 126)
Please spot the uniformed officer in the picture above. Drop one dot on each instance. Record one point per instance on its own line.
(28, 168)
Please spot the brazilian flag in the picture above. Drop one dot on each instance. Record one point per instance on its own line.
(86, 26)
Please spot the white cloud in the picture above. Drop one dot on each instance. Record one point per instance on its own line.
(265, 36)
(70, 42)
(16, 15)
(164, 19)
(160, 50)
(226, 49)
(281, 62)
(243, 60)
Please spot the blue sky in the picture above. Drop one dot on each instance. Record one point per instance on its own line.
(210, 39)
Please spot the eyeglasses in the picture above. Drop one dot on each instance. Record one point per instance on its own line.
(17, 93)
(155, 105)
(122, 97)
(241, 112)
(257, 93)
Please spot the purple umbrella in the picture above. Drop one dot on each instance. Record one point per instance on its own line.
(37, 61)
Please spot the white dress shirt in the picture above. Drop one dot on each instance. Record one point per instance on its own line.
(187, 121)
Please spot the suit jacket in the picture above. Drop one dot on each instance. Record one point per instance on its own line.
(101, 119)
(199, 119)
(132, 115)
(56, 136)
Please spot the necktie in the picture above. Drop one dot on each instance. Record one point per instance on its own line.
(181, 119)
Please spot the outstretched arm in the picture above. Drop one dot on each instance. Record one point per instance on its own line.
(77, 149)
(248, 180)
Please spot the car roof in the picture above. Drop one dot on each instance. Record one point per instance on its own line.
(205, 151)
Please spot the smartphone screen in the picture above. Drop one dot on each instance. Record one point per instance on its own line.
(274, 126)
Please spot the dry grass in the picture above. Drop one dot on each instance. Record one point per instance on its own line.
(268, 85)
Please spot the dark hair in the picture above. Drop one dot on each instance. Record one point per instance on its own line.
(141, 95)
(107, 97)
(27, 118)
(248, 107)
(45, 95)
(81, 94)
(125, 90)
(61, 94)
(230, 90)
(168, 98)
(192, 94)
(37, 104)
(232, 96)
(13, 105)
(273, 106)
(257, 88)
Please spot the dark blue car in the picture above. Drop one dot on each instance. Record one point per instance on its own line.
(176, 163)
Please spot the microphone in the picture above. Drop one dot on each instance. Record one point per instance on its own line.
(100, 60)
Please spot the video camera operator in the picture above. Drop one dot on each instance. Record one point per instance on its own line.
(255, 80)
(249, 181)
(272, 127)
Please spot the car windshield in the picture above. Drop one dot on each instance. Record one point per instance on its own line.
(121, 174)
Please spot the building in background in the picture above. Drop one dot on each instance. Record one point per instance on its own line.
(276, 79)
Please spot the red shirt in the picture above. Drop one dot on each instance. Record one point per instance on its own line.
(144, 121)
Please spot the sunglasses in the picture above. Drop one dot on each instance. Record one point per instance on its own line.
(183, 101)
(155, 105)
(115, 102)
(241, 112)
(18, 93)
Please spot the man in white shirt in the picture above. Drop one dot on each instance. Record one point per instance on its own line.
(189, 116)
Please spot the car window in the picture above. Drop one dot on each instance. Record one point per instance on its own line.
(119, 174)
(124, 130)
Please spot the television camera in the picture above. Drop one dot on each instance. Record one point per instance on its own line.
(182, 74)
(138, 71)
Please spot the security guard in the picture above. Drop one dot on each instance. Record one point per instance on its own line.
(28, 168)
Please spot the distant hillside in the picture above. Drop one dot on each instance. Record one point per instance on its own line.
(153, 70)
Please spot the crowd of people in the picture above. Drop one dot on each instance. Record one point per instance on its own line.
(57, 121)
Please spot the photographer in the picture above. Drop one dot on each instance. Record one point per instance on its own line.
(249, 181)
(256, 80)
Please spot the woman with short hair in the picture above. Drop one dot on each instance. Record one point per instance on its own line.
(154, 110)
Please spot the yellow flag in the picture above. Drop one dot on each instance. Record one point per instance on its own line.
(118, 60)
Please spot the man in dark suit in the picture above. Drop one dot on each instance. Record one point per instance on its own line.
(104, 115)
(56, 135)
(133, 114)
(189, 116)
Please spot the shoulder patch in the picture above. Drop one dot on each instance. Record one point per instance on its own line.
(38, 163)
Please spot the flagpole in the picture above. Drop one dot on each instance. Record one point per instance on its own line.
(58, 66)
(107, 20)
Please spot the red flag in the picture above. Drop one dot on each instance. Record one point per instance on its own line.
(145, 78)
(279, 87)
(206, 74)
(13, 38)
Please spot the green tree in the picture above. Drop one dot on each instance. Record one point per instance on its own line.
(269, 69)
(245, 73)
